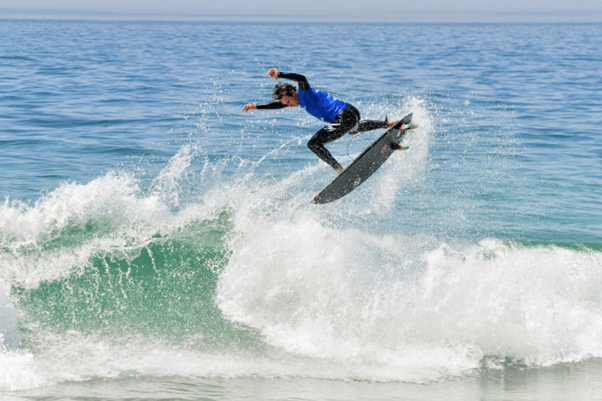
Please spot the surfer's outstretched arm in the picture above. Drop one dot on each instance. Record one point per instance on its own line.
(267, 106)
(285, 95)
(298, 78)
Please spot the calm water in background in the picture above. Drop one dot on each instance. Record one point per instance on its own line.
(153, 236)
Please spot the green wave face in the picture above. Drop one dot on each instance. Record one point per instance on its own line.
(163, 289)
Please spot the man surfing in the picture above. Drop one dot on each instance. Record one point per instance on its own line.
(342, 117)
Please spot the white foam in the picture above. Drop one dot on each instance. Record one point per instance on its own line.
(75, 357)
(18, 371)
(537, 304)
(404, 303)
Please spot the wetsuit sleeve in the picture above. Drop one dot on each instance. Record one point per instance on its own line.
(300, 79)
(271, 106)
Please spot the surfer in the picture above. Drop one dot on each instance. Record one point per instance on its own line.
(342, 117)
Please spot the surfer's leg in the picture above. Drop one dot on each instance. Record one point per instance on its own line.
(347, 119)
(366, 125)
(316, 145)
(370, 125)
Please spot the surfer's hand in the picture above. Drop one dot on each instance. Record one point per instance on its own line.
(273, 73)
(249, 106)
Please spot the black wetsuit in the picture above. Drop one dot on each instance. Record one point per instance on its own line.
(347, 121)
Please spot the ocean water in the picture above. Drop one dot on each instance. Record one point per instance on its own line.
(158, 243)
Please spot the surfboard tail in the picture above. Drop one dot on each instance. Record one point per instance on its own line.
(407, 120)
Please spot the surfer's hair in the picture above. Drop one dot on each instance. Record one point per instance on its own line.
(283, 89)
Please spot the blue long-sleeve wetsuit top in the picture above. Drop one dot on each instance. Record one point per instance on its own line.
(319, 104)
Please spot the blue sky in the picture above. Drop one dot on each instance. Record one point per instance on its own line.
(332, 10)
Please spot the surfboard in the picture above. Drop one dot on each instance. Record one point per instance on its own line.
(370, 160)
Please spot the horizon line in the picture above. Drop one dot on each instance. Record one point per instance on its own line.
(444, 16)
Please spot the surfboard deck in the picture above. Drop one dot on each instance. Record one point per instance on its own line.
(365, 164)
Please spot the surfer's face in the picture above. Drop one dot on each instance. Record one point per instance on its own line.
(290, 101)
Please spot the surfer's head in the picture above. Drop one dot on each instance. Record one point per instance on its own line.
(286, 94)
